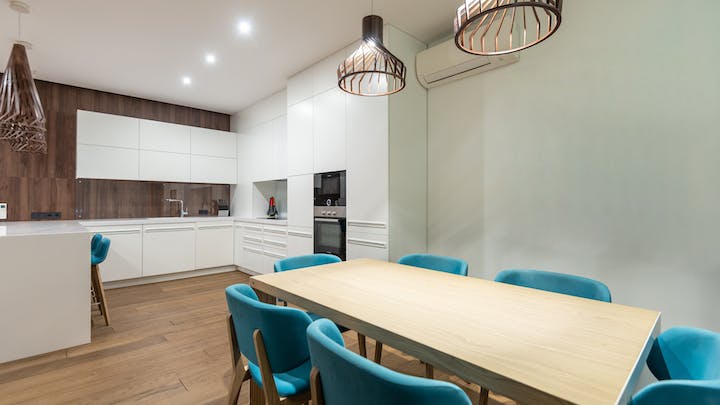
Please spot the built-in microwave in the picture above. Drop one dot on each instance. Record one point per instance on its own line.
(330, 189)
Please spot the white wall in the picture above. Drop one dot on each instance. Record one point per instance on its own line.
(252, 121)
(596, 154)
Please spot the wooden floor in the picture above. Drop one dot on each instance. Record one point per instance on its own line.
(167, 344)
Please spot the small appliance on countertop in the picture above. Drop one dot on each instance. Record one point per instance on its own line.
(223, 208)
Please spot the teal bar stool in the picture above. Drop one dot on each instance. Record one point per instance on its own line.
(273, 340)
(567, 284)
(687, 363)
(98, 254)
(341, 377)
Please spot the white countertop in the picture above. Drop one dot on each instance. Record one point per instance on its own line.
(24, 228)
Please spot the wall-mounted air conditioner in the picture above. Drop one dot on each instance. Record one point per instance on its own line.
(444, 63)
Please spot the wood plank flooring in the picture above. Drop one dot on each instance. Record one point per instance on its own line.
(167, 344)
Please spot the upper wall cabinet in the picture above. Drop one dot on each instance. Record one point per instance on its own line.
(300, 138)
(329, 131)
(209, 142)
(164, 137)
(300, 87)
(107, 130)
(123, 148)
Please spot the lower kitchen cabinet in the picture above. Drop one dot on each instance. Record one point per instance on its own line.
(270, 256)
(238, 244)
(168, 248)
(252, 258)
(124, 259)
(300, 242)
(214, 245)
(367, 246)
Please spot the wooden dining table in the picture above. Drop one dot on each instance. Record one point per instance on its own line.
(533, 346)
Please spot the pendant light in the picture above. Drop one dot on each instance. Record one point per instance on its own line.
(22, 120)
(371, 70)
(498, 27)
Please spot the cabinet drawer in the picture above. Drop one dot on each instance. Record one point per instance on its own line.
(124, 261)
(367, 246)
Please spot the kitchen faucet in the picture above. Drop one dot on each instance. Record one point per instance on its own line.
(182, 206)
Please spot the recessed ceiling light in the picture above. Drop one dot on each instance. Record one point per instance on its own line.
(244, 27)
(210, 58)
(186, 80)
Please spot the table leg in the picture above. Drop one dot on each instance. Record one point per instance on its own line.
(266, 298)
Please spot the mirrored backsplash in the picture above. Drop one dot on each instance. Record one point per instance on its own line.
(110, 199)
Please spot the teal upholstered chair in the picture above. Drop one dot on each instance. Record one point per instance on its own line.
(434, 262)
(273, 340)
(99, 249)
(687, 363)
(556, 282)
(674, 392)
(341, 377)
(300, 262)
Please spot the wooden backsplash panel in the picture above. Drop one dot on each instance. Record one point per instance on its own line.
(32, 182)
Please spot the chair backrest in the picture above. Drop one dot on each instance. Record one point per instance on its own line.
(95, 242)
(684, 353)
(556, 282)
(101, 251)
(434, 262)
(299, 262)
(679, 392)
(283, 329)
(349, 379)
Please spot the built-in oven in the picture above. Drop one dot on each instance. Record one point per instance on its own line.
(330, 189)
(330, 228)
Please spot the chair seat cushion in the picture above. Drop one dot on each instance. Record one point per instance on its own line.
(293, 382)
(315, 317)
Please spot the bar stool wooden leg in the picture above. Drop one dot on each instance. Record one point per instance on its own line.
(100, 292)
(362, 345)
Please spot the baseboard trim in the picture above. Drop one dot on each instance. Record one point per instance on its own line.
(175, 276)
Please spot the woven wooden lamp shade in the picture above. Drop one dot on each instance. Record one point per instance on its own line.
(498, 27)
(372, 70)
(22, 120)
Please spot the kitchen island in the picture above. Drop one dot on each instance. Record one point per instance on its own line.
(44, 287)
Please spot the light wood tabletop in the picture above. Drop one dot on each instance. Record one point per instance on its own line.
(530, 345)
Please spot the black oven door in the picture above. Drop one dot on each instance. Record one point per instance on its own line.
(330, 236)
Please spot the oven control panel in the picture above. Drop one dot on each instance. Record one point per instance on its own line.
(330, 212)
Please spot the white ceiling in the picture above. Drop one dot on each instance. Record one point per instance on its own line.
(143, 47)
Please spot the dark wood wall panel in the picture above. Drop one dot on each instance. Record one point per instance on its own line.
(32, 182)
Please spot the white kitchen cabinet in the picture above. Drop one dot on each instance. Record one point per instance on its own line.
(279, 148)
(362, 245)
(262, 142)
(124, 260)
(325, 73)
(208, 169)
(329, 138)
(164, 166)
(168, 248)
(300, 200)
(253, 258)
(367, 162)
(214, 244)
(299, 87)
(210, 142)
(238, 244)
(107, 130)
(164, 137)
(270, 256)
(300, 242)
(103, 162)
(300, 144)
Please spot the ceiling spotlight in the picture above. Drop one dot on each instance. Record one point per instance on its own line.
(244, 27)
(186, 80)
(210, 59)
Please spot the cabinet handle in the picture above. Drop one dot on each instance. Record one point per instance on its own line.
(275, 255)
(223, 226)
(365, 242)
(251, 239)
(185, 228)
(253, 228)
(276, 243)
(249, 249)
(116, 231)
(276, 231)
(367, 224)
(300, 234)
